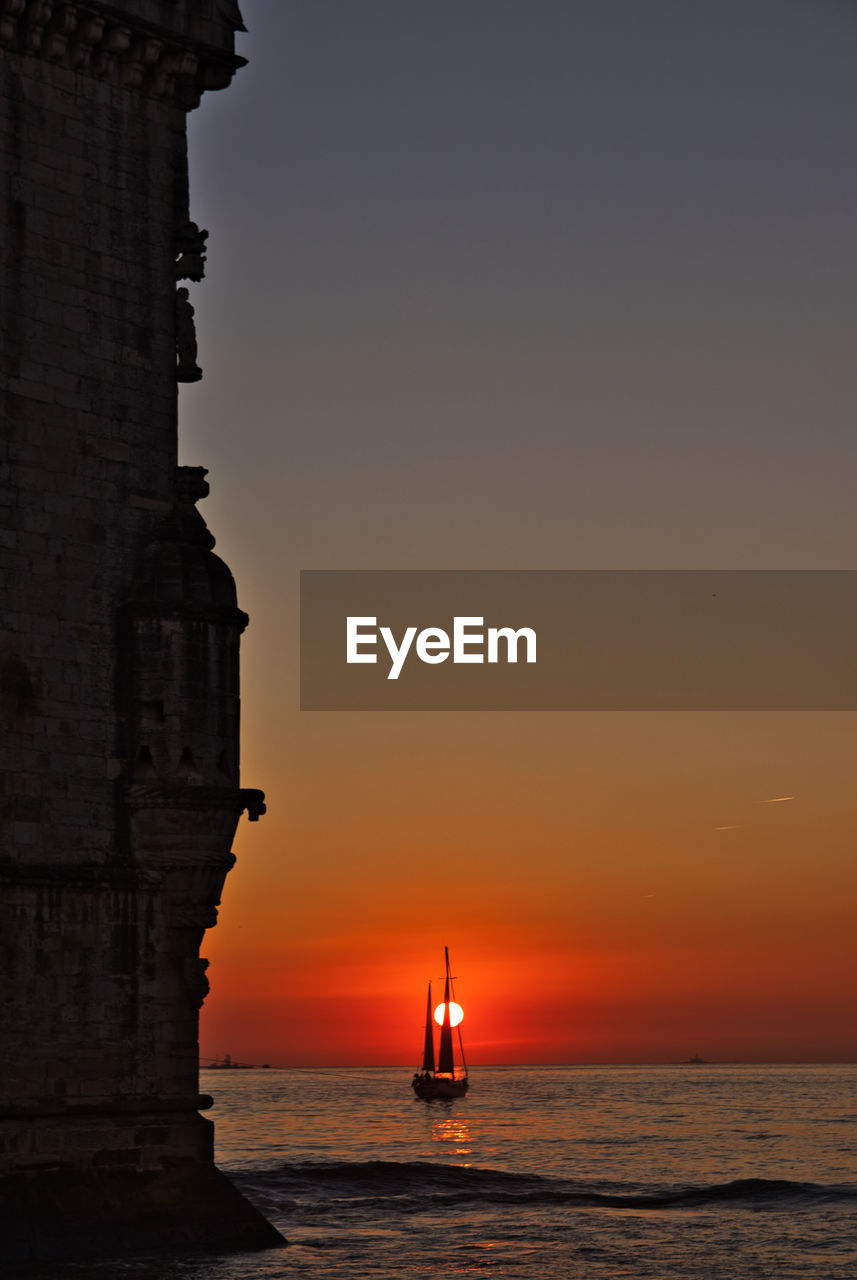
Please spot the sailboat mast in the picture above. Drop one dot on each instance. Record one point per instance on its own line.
(450, 991)
(446, 1061)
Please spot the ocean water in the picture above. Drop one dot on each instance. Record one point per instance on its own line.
(569, 1173)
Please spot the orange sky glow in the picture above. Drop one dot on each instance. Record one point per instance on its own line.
(595, 907)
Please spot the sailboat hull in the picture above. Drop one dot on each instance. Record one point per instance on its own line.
(434, 1088)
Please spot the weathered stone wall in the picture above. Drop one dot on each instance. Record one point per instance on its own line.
(119, 792)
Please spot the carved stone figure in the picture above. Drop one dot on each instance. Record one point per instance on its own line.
(190, 245)
(187, 370)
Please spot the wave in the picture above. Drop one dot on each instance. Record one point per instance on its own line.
(411, 1187)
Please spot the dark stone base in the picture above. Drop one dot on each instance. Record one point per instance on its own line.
(64, 1214)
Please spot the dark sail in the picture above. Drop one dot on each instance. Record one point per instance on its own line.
(445, 1060)
(428, 1051)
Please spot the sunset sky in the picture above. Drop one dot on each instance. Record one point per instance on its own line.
(531, 285)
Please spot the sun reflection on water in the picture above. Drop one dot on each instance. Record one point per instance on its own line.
(450, 1130)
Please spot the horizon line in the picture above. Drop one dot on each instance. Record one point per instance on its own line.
(670, 1062)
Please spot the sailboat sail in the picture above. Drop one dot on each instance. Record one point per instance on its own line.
(428, 1051)
(445, 1061)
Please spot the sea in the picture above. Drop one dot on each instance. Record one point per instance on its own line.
(684, 1172)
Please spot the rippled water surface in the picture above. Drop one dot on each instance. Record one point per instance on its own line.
(573, 1173)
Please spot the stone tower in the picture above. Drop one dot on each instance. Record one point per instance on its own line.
(119, 790)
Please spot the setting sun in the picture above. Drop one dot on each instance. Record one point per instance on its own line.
(456, 1013)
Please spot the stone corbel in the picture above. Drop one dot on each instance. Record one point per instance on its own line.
(139, 60)
(216, 75)
(36, 18)
(191, 893)
(190, 88)
(176, 69)
(163, 79)
(10, 12)
(89, 34)
(115, 43)
(58, 31)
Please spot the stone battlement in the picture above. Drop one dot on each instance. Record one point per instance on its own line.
(169, 50)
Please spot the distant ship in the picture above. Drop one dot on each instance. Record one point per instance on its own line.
(443, 1080)
(696, 1059)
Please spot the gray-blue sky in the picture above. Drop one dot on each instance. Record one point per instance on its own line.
(525, 285)
(541, 284)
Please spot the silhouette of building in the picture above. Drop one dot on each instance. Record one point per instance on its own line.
(119, 793)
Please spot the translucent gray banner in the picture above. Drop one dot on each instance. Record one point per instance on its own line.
(579, 640)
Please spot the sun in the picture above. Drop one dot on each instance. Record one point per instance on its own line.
(456, 1013)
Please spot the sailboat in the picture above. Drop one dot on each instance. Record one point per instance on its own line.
(443, 1080)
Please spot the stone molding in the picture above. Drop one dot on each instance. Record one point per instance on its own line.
(116, 45)
(192, 611)
(88, 876)
(183, 796)
(130, 1104)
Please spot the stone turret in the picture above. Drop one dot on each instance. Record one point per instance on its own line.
(119, 782)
